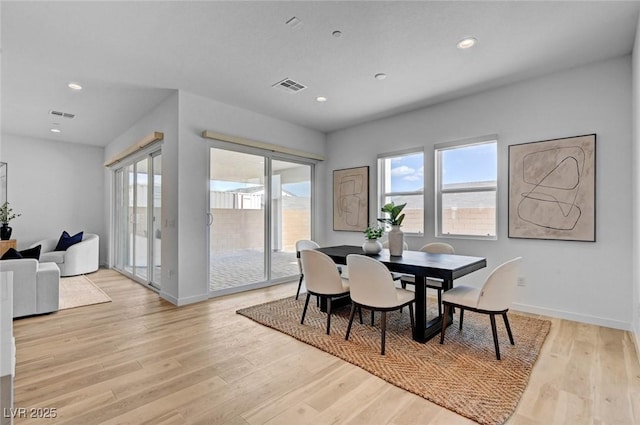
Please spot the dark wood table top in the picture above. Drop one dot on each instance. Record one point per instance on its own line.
(417, 263)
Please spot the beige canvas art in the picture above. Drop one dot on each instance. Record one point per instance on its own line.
(351, 199)
(552, 189)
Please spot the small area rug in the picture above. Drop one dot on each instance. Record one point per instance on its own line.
(78, 291)
(462, 375)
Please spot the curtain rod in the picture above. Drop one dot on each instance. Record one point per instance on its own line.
(146, 141)
(207, 134)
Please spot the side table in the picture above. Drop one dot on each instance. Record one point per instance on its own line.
(5, 245)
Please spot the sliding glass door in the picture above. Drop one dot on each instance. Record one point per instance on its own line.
(237, 217)
(137, 219)
(290, 214)
(260, 205)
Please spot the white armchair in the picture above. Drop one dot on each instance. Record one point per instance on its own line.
(80, 258)
(36, 286)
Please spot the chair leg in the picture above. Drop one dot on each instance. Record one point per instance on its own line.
(506, 324)
(360, 314)
(353, 313)
(495, 335)
(440, 302)
(413, 323)
(328, 314)
(403, 284)
(461, 317)
(444, 322)
(299, 286)
(372, 316)
(304, 311)
(383, 325)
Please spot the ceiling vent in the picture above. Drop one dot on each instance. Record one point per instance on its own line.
(290, 86)
(61, 114)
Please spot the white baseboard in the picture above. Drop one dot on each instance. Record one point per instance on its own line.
(635, 335)
(193, 299)
(593, 320)
(184, 301)
(173, 300)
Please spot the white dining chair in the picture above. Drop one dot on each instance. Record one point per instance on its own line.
(430, 282)
(372, 287)
(300, 246)
(322, 279)
(494, 297)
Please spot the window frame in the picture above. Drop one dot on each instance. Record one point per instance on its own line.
(439, 191)
(383, 178)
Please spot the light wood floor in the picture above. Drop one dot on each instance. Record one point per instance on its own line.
(140, 360)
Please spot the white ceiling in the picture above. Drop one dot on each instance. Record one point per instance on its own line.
(131, 55)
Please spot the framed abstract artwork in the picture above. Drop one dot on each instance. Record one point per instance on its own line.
(351, 199)
(552, 189)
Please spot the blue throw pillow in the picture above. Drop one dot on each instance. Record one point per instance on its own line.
(11, 254)
(66, 241)
(32, 252)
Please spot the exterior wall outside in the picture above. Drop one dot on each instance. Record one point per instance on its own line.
(469, 221)
(237, 229)
(247, 228)
(412, 218)
(297, 227)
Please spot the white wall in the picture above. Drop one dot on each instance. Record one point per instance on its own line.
(635, 184)
(196, 115)
(56, 186)
(182, 117)
(589, 282)
(163, 118)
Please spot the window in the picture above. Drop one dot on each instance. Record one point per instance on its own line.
(466, 188)
(401, 180)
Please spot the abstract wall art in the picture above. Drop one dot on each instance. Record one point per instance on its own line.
(351, 199)
(552, 188)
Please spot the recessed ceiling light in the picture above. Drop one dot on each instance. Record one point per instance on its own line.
(467, 43)
(74, 86)
(337, 33)
(380, 76)
(56, 130)
(321, 99)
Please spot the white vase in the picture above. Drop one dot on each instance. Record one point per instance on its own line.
(372, 246)
(396, 241)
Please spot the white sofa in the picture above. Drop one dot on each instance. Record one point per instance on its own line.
(80, 258)
(36, 286)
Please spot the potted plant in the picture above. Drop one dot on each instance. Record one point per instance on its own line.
(372, 245)
(395, 219)
(6, 215)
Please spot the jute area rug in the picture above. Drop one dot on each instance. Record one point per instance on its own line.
(78, 291)
(462, 375)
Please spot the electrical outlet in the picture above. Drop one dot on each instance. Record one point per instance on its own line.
(521, 281)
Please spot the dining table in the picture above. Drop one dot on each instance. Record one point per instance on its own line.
(422, 265)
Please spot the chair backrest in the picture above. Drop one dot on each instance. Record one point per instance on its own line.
(302, 245)
(385, 244)
(320, 273)
(370, 282)
(497, 291)
(438, 248)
